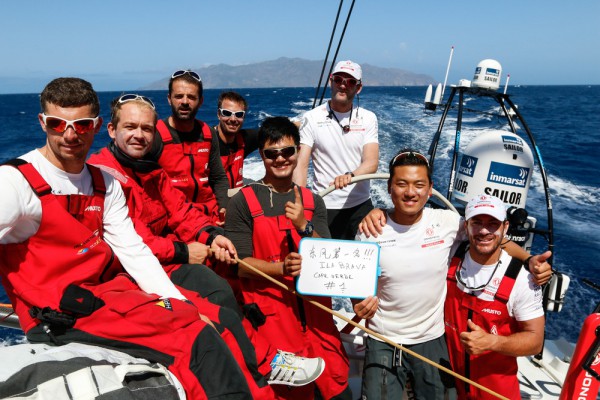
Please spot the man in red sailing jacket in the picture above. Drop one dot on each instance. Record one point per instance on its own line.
(265, 221)
(62, 226)
(191, 152)
(171, 226)
(235, 143)
(493, 310)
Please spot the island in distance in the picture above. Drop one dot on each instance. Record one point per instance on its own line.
(291, 72)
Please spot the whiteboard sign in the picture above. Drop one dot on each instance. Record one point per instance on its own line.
(339, 268)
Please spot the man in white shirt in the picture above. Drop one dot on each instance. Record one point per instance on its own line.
(342, 140)
(493, 311)
(63, 224)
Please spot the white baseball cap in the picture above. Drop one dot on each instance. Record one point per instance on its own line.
(349, 67)
(487, 205)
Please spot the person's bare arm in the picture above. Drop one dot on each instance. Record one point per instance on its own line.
(368, 165)
(526, 342)
(301, 171)
(291, 265)
(373, 223)
(537, 265)
(365, 308)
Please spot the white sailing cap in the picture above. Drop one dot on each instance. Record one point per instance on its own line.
(349, 67)
(487, 205)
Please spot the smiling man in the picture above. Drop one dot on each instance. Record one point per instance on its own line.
(235, 142)
(190, 155)
(265, 221)
(74, 268)
(493, 311)
(342, 139)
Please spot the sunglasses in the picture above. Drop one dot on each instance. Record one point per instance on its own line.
(130, 97)
(81, 126)
(285, 152)
(349, 82)
(182, 72)
(228, 113)
(413, 154)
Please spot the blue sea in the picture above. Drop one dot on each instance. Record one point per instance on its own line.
(565, 121)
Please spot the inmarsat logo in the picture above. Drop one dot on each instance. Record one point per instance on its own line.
(492, 72)
(508, 174)
(512, 140)
(467, 165)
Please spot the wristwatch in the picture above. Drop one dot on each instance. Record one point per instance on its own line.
(308, 229)
(350, 173)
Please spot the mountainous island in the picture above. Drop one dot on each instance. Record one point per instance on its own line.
(291, 72)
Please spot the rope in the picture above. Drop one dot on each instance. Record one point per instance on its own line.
(337, 50)
(337, 17)
(369, 331)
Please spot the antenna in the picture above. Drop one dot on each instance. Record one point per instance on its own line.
(506, 84)
(447, 70)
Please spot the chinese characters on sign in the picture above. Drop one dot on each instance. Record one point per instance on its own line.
(341, 268)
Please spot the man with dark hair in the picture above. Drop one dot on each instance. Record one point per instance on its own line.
(493, 311)
(342, 139)
(265, 221)
(190, 153)
(235, 143)
(416, 245)
(65, 239)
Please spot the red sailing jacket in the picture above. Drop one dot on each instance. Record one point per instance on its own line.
(283, 327)
(234, 164)
(493, 370)
(160, 213)
(186, 163)
(67, 249)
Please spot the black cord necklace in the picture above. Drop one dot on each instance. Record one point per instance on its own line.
(345, 128)
(480, 287)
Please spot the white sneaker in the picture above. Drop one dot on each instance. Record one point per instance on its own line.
(292, 370)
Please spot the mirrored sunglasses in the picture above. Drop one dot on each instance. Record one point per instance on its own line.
(191, 73)
(348, 82)
(130, 97)
(81, 126)
(228, 113)
(285, 152)
(405, 154)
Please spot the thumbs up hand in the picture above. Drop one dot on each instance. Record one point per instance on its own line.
(295, 211)
(477, 341)
(539, 268)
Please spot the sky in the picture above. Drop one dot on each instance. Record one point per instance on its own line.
(120, 45)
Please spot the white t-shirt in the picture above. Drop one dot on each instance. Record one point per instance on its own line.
(525, 300)
(21, 214)
(335, 152)
(412, 287)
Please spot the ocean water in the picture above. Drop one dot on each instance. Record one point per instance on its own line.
(565, 121)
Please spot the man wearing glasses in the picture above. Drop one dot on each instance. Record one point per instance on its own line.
(493, 311)
(265, 221)
(65, 239)
(190, 154)
(416, 245)
(342, 140)
(235, 143)
(172, 228)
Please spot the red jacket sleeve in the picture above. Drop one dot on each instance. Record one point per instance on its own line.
(185, 221)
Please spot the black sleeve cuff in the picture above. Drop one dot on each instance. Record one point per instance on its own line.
(182, 254)
(208, 234)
